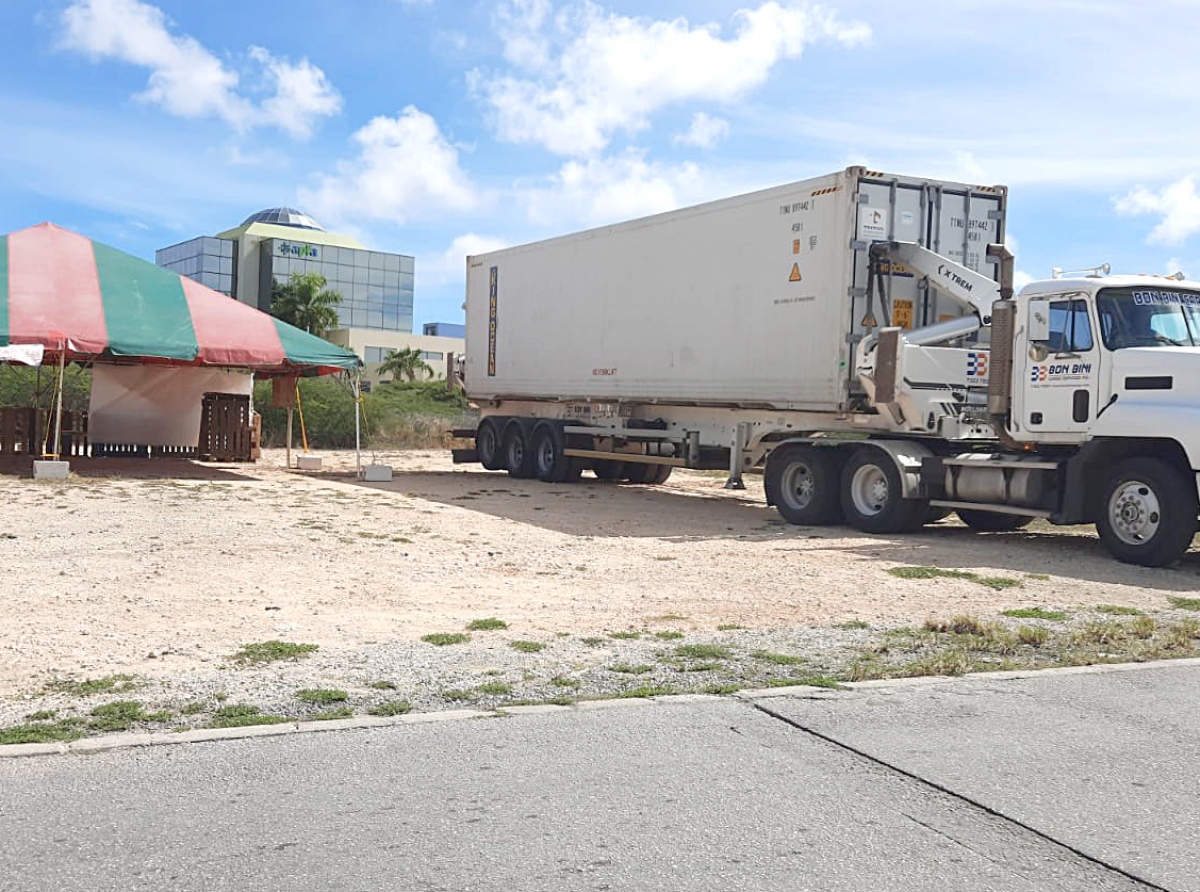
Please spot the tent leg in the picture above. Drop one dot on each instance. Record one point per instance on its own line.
(289, 439)
(62, 368)
(358, 425)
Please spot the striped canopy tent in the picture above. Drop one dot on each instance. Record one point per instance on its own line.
(65, 292)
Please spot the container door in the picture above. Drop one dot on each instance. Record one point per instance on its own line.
(888, 211)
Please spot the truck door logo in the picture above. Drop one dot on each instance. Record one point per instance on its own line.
(977, 365)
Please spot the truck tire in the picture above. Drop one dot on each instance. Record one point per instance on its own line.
(608, 470)
(1148, 513)
(649, 475)
(518, 457)
(550, 464)
(487, 445)
(659, 475)
(992, 521)
(872, 498)
(802, 483)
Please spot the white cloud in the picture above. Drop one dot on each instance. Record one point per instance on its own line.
(449, 267)
(1021, 279)
(405, 170)
(1178, 204)
(608, 190)
(585, 74)
(189, 81)
(705, 132)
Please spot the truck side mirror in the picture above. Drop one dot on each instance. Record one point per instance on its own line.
(1038, 327)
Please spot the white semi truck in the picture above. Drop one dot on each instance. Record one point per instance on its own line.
(856, 337)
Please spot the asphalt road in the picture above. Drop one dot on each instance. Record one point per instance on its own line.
(1059, 782)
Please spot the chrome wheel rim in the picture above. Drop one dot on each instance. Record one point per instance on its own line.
(798, 485)
(1134, 513)
(869, 490)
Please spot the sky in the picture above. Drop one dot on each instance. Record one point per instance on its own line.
(440, 129)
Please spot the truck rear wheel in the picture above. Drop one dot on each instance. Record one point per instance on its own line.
(650, 475)
(487, 445)
(518, 457)
(1148, 513)
(550, 463)
(992, 521)
(872, 495)
(802, 483)
(608, 470)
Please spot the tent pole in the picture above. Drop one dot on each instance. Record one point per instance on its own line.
(358, 425)
(289, 438)
(62, 367)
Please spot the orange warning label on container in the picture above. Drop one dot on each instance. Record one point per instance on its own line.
(795, 276)
(795, 246)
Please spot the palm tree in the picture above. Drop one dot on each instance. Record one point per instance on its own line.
(306, 303)
(406, 362)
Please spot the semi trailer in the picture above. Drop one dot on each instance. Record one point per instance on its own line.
(856, 338)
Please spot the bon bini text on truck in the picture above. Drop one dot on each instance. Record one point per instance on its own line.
(856, 337)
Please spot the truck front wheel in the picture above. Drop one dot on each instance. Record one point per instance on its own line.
(873, 495)
(1148, 513)
(802, 483)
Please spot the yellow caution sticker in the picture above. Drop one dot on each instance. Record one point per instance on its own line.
(902, 313)
(795, 246)
(795, 276)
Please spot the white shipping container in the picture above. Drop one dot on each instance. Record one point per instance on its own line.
(754, 300)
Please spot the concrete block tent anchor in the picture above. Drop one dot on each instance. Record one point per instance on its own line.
(84, 301)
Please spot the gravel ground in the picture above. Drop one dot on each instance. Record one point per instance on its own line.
(146, 578)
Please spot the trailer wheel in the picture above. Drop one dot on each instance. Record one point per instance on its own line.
(608, 470)
(872, 497)
(487, 445)
(992, 521)
(550, 464)
(801, 482)
(660, 474)
(1148, 513)
(518, 457)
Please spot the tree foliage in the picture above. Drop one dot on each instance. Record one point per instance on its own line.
(306, 303)
(406, 363)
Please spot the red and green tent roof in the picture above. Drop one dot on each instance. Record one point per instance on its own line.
(58, 288)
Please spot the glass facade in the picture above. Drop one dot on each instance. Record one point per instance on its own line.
(210, 261)
(376, 288)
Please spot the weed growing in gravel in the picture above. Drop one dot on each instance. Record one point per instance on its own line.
(382, 685)
(442, 639)
(63, 731)
(669, 635)
(322, 696)
(194, 708)
(729, 627)
(42, 715)
(1117, 610)
(329, 715)
(992, 582)
(728, 688)
(495, 688)
(391, 708)
(240, 715)
(1184, 603)
(1034, 636)
(959, 625)
(273, 651)
(592, 641)
(109, 684)
(527, 647)
(486, 625)
(120, 715)
(561, 681)
(818, 681)
(625, 636)
(645, 691)
(703, 652)
(699, 667)
(778, 659)
(1034, 613)
(853, 624)
(457, 694)
(631, 669)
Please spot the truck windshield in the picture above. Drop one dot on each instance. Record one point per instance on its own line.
(1149, 317)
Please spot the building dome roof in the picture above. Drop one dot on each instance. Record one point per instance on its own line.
(284, 217)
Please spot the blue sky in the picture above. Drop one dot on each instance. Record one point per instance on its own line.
(438, 128)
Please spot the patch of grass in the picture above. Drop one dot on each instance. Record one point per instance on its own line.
(778, 659)
(998, 583)
(120, 715)
(322, 696)
(457, 694)
(391, 708)
(592, 641)
(947, 662)
(527, 647)
(631, 669)
(728, 688)
(560, 700)
(273, 651)
(63, 731)
(625, 636)
(729, 627)
(669, 635)
(194, 708)
(1118, 610)
(703, 652)
(42, 715)
(329, 715)
(1034, 636)
(1034, 613)
(645, 691)
(959, 625)
(699, 667)
(109, 684)
(1041, 577)
(853, 624)
(495, 688)
(241, 715)
(382, 685)
(486, 625)
(1184, 603)
(443, 639)
(561, 681)
(992, 582)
